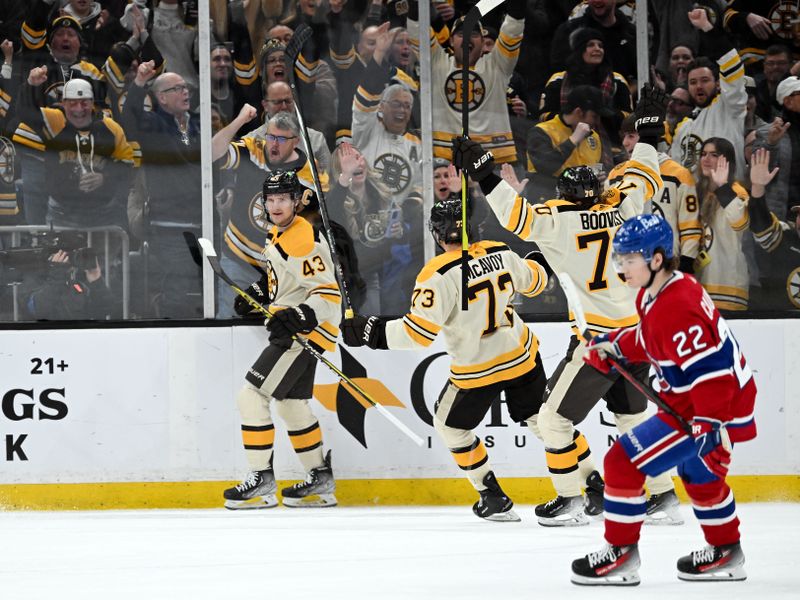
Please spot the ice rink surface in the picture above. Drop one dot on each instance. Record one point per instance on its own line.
(360, 553)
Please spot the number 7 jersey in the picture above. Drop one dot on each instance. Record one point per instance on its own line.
(577, 240)
(488, 342)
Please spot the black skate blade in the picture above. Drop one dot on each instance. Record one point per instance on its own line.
(312, 501)
(253, 503)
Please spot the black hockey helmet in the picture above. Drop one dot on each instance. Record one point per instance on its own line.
(281, 182)
(445, 221)
(578, 184)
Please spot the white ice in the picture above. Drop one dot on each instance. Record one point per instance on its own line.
(359, 553)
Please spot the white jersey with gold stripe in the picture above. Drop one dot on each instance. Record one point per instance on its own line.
(725, 275)
(488, 342)
(489, 122)
(577, 241)
(300, 271)
(723, 118)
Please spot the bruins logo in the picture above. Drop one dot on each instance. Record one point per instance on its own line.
(708, 237)
(259, 218)
(7, 161)
(782, 16)
(657, 210)
(53, 93)
(690, 149)
(272, 282)
(476, 90)
(394, 170)
(793, 287)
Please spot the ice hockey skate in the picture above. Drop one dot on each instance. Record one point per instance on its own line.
(256, 491)
(593, 499)
(494, 505)
(613, 565)
(713, 563)
(663, 509)
(316, 491)
(562, 511)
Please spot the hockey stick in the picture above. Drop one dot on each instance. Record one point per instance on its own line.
(301, 35)
(211, 255)
(470, 21)
(574, 301)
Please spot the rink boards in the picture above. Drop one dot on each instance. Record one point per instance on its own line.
(147, 418)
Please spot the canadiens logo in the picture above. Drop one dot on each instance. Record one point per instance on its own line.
(476, 90)
(258, 214)
(783, 17)
(394, 170)
(708, 237)
(793, 287)
(690, 149)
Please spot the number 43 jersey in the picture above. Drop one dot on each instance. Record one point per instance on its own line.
(488, 342)
(299, 270)
(577, 240)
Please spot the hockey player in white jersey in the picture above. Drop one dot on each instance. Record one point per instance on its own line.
(492, 350)
(574, 233)
(300, 289)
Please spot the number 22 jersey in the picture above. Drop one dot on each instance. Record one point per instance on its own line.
(696, 361)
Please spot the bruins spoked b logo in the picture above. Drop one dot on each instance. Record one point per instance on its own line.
(258, 213)
(476, 90)
(793, 287)
(394, 170)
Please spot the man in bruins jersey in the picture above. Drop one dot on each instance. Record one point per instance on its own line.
(492, 350)
(574, 233)
(300, 289)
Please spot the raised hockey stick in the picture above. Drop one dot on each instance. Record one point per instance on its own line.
(470, 22)
(301, 35)
(574, 301)
(211, 255)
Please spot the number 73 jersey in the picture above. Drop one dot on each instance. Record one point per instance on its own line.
(488, 342)
(577, 240)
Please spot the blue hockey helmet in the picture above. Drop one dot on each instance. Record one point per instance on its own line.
(644, 234)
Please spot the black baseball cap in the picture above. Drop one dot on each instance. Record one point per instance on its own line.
(587, 97)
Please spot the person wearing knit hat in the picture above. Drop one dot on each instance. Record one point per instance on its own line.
(65, 36)
(270, 59)
(588, 65)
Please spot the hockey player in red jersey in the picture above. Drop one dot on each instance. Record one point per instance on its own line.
(701, 374)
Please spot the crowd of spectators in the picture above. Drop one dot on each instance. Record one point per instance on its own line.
(100, 135)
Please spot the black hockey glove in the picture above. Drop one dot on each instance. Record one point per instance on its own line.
(650, 113)
(470, 157)
(257, 291)
(290, 321)
(361, 330)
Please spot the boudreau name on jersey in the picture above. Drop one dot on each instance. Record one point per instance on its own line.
(601, 220)
(485, 265)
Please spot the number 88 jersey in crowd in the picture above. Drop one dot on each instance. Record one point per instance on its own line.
(488, 342)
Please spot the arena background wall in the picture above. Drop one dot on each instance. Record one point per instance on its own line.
(130, 418)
